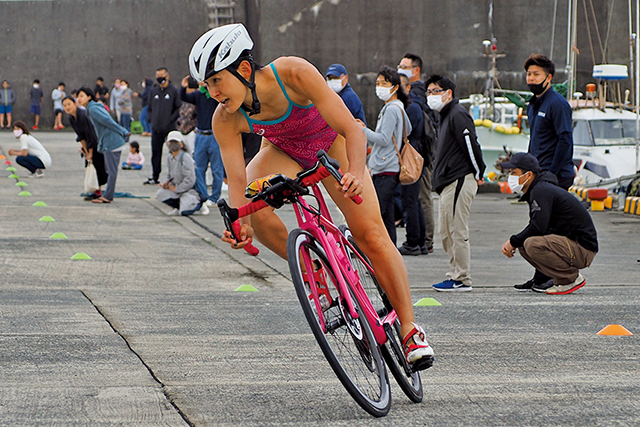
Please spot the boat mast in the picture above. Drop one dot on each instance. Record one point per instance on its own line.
(571, 48)
(637, 69)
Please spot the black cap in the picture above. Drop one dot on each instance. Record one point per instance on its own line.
(525, 161)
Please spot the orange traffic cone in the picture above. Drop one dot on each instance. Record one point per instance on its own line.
(615, 330)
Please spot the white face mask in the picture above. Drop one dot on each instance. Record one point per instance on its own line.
(435, 102)
(406, 72)
(36, 85)
(514, 183)
(384, 93)
(17, 133)
(335, 85)
(123, 87)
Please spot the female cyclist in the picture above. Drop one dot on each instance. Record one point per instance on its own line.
(291, 106)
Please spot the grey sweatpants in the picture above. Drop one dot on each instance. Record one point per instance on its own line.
(557, 257)
(111, 164)
(188, 201)
(455, 207)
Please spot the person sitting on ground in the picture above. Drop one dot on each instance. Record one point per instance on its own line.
(135, 159)
(178, 191)
(560, 238)
(32, 155)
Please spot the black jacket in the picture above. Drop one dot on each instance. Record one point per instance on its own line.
(553, 210)
(458, 152)
(83, 127)
(164, 107)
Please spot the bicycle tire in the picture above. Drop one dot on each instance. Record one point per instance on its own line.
(410, 382)
(356, 360)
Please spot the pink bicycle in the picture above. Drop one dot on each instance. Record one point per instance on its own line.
(349, 313)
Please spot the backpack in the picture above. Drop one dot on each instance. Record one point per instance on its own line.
(429, 139)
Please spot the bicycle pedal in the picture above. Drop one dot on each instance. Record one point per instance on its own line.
(422, 364)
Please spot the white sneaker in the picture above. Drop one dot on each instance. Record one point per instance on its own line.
(210, 203)
(39, 173)
(204, 210)
(567, 289)
(174, 212)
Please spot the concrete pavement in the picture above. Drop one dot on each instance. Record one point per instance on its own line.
(149, 331)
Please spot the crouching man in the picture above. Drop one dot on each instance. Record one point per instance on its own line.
(560, 238)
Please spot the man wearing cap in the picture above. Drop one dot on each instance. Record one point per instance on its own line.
(560, 238)
(338, 80)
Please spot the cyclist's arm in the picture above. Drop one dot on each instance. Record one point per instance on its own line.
(307, 83)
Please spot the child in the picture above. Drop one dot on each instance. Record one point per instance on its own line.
(36, 95)
(57, 95)
(135, 159)
(7, 98)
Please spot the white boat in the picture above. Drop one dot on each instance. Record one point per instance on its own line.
(604, 144)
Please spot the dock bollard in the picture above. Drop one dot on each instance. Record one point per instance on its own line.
(597, 197)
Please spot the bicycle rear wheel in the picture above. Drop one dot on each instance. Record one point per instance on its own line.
(347, 343)
(409, 381)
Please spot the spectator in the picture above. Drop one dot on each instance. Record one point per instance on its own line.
(147, 84)
(178, 190)
(457, 171)
(386, 140)
(57, 95)
(101, 91)
(560, 238)
(411, 66)
(111, 138)
(35, 95)
(7, 98)
(125, 105)
(114, 98)
(551, 139)
(338, 81)
(32, 155)
(135, 159)
(206, 150)
(86, 136)
(410, 194)
(163, 108)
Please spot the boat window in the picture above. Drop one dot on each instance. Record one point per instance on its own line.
(612, 132)
(581, 134)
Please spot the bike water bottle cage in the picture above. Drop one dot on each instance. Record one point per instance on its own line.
(256, 186)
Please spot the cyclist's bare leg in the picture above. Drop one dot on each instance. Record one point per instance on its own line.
(365, 222)
(268, 228)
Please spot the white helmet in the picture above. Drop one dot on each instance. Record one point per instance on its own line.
(218, 48)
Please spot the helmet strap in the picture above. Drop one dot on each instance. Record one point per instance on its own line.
(255, 104)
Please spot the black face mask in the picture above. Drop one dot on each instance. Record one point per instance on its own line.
(161, 80)
(537, 89)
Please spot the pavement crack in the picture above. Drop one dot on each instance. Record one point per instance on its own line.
(147, 367)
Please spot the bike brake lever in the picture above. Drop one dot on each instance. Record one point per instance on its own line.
(231, 223)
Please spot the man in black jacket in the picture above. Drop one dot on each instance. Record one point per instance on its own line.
(560, 238)
(457, 172)
(163, 109)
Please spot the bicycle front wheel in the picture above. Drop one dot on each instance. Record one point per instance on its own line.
(409, 381)
(347, 343)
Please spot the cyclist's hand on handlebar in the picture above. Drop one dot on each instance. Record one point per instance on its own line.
(351, 185)
(245, 236)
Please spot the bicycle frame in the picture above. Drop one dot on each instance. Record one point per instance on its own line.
(319, 224)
